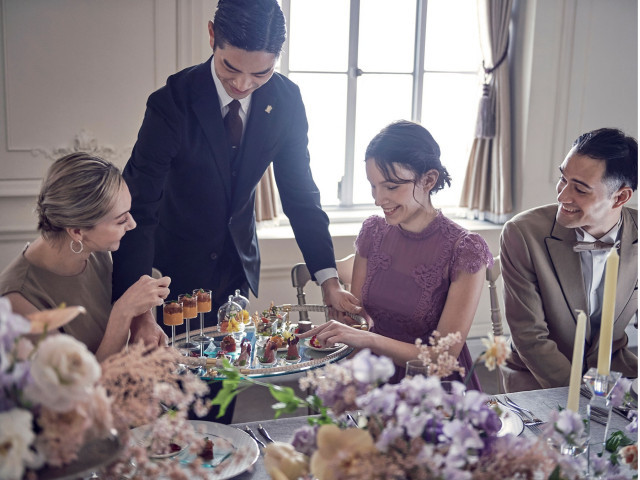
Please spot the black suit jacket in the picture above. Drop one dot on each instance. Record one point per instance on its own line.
(187, 195)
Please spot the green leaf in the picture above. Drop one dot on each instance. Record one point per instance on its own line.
(227, 393)
(555, 475)
(617, 440)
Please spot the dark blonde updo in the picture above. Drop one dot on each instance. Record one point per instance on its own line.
(77, 192)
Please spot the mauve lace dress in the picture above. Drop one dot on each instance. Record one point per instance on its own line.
(408, 277)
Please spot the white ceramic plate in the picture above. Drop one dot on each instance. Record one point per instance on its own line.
(511, 423)
(91, 457)
(142, 436)
(323, 349)
(634, 388)
(234, 451)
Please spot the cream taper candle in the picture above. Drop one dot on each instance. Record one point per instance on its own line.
(573, 400)
(608, 311)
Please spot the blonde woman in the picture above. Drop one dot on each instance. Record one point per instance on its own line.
(83, 212)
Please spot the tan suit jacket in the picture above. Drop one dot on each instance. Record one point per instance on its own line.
(543, 286)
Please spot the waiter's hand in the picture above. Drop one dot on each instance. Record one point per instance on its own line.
(336, 297)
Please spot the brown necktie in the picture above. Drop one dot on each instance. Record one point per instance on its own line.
(233, 126)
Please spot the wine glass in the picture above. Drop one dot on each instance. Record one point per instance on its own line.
(416, 367)
(204, 306)
(189, 311)
(172, 311)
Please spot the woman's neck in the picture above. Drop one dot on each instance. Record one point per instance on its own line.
(423, 221)
(56, 257)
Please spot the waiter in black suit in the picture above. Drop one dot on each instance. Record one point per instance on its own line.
(206, 139)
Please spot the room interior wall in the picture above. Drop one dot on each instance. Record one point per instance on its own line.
(76, 75)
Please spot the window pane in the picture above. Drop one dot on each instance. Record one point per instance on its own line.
(325, 100)
(381, 100)
(319, 35)
(452, 39)
(449, 112)
(387, 30)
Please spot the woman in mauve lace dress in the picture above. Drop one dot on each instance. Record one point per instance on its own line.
(415, 270)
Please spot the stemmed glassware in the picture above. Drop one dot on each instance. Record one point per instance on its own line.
(189, 311)
(204, 306)
(172, 314)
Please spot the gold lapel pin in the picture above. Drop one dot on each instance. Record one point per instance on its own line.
(268, 109)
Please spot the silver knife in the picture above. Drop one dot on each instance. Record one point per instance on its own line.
(264, 433)
(253, 435)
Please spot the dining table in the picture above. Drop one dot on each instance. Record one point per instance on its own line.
(541, 402)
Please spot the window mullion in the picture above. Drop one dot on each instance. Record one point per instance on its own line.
(284, 54)
(346, 186)
(418, 60)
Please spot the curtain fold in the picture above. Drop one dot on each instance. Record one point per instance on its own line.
(266, 207)
(486, 191)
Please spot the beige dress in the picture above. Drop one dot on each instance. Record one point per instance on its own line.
(91, 289)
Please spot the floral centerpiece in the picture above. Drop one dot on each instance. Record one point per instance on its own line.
(411, 430)
(56, 398)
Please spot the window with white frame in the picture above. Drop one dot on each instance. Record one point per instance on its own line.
(362, 64)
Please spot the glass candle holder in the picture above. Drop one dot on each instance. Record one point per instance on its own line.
(600, 404)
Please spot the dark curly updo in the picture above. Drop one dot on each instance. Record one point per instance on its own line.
(411, 146)
(77, 192)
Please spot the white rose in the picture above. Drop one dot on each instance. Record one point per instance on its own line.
(16, 436)
(63, 371)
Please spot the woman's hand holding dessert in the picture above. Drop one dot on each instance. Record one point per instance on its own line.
(140, 297)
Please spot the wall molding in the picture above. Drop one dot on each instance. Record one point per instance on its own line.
(84, 141)
(19, 188)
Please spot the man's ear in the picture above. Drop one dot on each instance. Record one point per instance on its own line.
(622, 196)
(211, 35)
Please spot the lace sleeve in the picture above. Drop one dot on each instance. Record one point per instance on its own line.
(364, 241)
(470, 255)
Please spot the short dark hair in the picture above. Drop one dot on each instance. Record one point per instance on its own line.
(410, 145)
(617, 150)
(252, 25)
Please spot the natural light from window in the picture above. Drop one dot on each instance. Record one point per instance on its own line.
(353, 85)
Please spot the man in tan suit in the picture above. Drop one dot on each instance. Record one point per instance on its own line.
(553, 259)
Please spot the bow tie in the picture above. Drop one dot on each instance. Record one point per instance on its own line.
(594, 246)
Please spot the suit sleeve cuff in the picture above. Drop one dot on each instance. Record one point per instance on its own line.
(325, 274)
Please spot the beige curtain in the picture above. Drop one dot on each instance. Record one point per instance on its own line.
(486, 192)
(266, 204)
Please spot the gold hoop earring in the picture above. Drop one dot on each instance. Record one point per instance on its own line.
(81, 246)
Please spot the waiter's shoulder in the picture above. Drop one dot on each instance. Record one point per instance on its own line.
(187, 84)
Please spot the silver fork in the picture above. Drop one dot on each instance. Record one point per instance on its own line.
(527, 420)
(529, 413)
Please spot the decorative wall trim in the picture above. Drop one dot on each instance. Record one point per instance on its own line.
(84, 141)
(19, 188)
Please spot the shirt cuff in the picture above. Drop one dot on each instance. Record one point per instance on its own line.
(325, 274)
